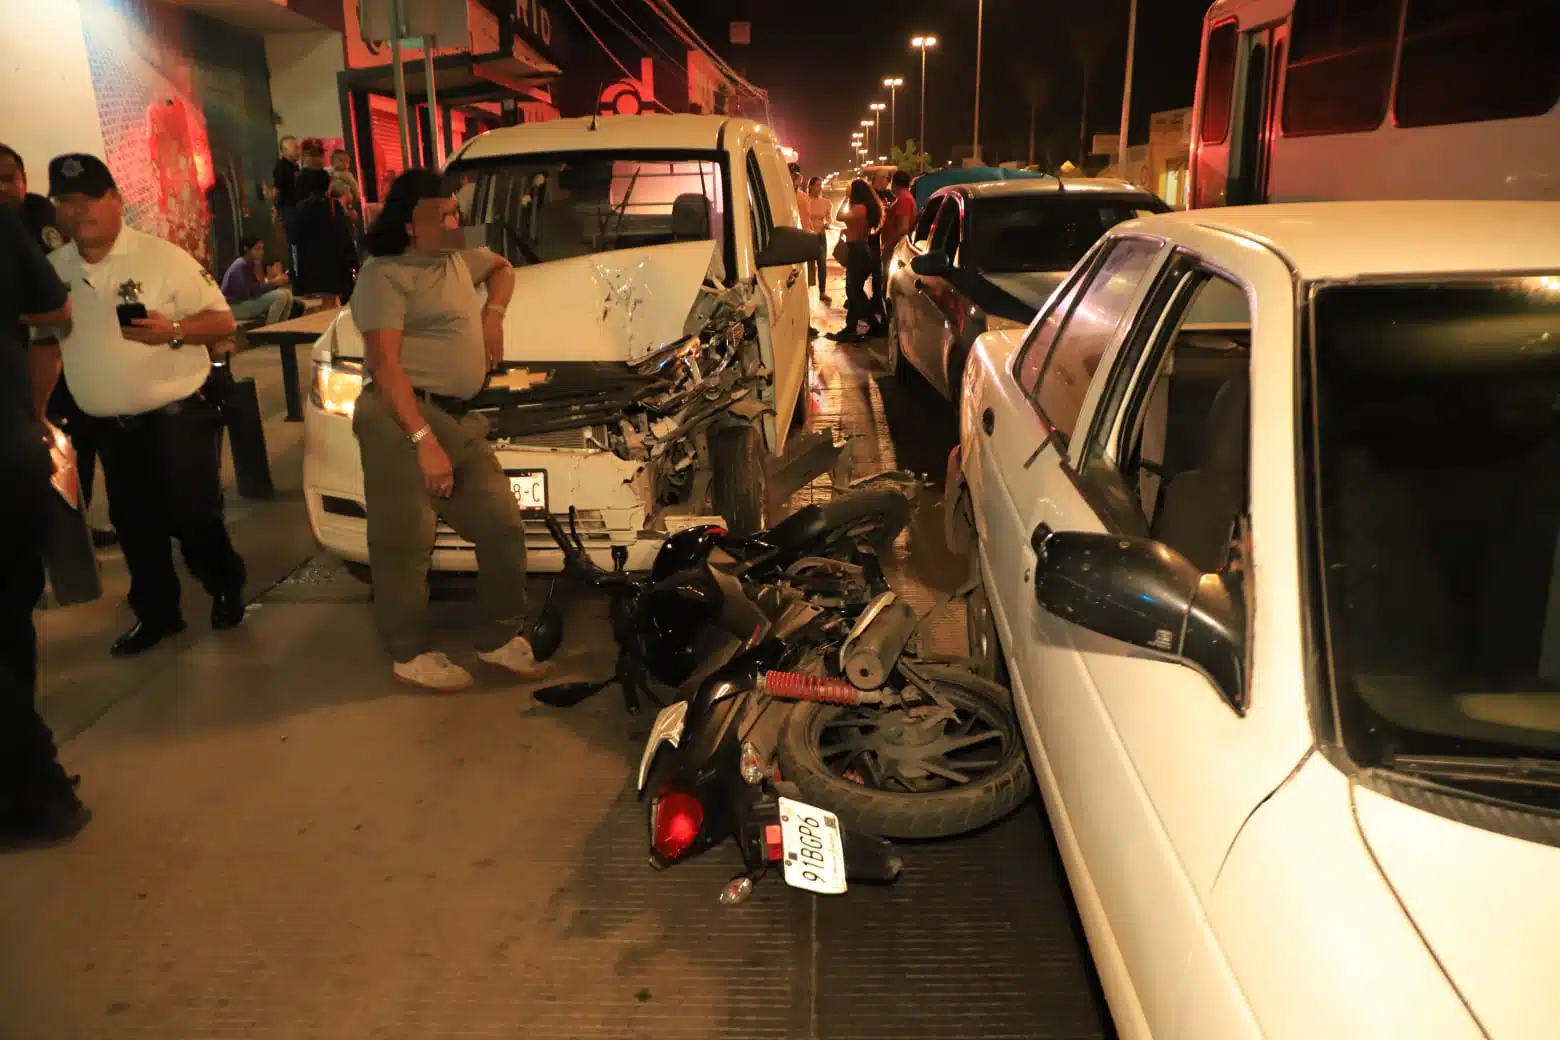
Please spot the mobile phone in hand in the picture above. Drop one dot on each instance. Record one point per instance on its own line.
(129, 313)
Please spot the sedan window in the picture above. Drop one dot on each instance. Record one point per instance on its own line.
(923, 227)
(1026, 233)
(1102, 311)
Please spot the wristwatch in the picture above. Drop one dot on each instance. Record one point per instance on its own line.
(178, 336)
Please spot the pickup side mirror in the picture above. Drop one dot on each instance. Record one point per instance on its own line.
(1146, 594)
(933, 265)
(788, 246)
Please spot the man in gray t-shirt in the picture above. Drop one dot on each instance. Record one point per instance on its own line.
(431, 297)
(429, 344)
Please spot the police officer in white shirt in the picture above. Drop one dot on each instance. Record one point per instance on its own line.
(143, 311)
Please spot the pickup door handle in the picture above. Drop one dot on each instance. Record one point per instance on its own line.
(988, 421)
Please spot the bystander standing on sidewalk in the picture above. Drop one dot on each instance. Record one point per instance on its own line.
(38, 802)
(59, 406)
(143, 313)
(430, 343)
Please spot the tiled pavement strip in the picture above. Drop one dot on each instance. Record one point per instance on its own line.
(289, 846)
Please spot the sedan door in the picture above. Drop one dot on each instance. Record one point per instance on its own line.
(937, 301)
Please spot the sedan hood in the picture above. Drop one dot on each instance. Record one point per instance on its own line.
(1485, 902)
(619, 306)
(1030, 288)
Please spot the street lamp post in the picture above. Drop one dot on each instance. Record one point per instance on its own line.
(1126, 93)
(980, 36)
(893, 83)
(923, 44)
(866, 125)
(877, 111)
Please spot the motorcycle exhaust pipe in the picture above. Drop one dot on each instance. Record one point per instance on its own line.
(868, 655)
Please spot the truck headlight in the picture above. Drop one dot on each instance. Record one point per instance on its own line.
(337, 385)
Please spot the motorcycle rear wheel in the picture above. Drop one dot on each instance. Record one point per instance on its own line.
(811, 757)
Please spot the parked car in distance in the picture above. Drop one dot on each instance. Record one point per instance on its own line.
(656, 344)
(1267, 534)
(988, 255)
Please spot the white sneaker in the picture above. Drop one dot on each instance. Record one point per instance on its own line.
(434, 671)
(516, 656)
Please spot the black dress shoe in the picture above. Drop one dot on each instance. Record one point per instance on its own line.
(227, 611)
(143, 637)
(41, 816)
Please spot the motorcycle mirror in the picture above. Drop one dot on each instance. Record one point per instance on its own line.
(547, 631)
(567, 695)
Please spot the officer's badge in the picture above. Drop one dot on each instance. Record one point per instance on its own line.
(71, 168)
(52, 239)
(130, 291)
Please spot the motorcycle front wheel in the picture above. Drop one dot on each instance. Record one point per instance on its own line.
(921, 773)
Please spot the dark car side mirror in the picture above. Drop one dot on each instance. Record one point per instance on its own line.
(1147, 595)
(933, 265)
(788, 246)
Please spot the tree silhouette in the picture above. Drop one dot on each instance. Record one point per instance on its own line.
(1092, 35)
(1036, 86)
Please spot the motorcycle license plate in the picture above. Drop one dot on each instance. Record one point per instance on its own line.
(668, 729)
(813, 848)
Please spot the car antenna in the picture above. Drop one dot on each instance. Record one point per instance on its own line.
(597, 114)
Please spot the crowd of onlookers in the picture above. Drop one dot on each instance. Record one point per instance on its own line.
(874, 221)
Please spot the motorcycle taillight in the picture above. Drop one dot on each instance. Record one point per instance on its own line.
(676, 818)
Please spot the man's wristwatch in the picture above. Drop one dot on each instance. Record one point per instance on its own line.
(178, 336)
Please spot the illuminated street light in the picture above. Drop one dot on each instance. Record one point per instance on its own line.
(877, 112)
(893, 83)
(923, 44)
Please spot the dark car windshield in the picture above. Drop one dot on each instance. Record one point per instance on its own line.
(539, 208)
(1436, 454)
(1042, 231)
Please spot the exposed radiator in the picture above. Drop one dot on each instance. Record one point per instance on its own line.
(574, 438)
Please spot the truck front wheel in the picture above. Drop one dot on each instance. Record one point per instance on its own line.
(738, 484)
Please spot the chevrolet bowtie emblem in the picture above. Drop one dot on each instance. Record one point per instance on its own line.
(71, 167)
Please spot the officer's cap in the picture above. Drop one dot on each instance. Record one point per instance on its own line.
(79, 174)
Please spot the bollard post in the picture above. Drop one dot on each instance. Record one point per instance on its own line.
(246, 438)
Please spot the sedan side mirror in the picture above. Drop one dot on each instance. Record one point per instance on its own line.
(788, 246)
(1146, 594)
(933, 265)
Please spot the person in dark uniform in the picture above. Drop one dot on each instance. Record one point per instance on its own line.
(143, 311)
(38, 800)
(37, 213)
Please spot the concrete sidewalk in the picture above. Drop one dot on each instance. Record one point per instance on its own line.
(78, 682)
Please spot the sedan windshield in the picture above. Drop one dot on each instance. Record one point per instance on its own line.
(1046, 231)
(1436, 455)
(540, 208)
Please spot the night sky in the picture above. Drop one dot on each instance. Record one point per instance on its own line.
(823, 63)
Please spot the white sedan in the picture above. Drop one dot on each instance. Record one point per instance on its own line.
(1267, 512)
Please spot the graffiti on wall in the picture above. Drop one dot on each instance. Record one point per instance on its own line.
(184, 103)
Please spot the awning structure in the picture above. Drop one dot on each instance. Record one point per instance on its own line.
(458, 78)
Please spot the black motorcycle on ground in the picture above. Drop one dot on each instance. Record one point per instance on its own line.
(870, 735)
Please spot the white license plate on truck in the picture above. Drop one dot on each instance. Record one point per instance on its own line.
(530, 489)
(813, 848)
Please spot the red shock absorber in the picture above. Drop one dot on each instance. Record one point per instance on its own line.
(794, 686)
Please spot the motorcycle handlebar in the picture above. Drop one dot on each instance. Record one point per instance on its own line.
(574, 555)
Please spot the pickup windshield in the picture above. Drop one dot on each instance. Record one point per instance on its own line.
(1436, 455)
(541, 208)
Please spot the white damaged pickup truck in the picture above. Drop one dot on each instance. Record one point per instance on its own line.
(656, 344)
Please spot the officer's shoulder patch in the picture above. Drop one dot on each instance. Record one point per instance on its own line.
(210, 279)
(52, 239)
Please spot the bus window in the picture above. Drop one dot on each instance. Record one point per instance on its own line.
(1340, 65)
(1218, 81)
(1465, 63)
